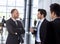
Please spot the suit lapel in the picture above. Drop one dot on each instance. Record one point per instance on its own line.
(43, 23)
(42, 26)
(13, 23)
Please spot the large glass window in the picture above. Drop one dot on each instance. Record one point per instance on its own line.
(7, 5)
(34, 12)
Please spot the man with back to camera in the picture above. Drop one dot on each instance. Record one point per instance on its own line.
(54, 32)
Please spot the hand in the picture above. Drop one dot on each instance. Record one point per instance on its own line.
(15, 33)
(31, 30)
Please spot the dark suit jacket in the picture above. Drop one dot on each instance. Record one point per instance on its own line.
(12, 29)
(3, 21)
(54, 33)
(50, 39)
(43, 31)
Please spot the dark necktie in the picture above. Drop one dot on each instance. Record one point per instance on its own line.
(16, 22)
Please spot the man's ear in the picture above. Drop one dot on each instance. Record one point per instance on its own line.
(42, 15)
(54, 14)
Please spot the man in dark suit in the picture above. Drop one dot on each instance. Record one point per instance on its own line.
(41, 29)
(54, 32)
(15, 29)
(3, 21)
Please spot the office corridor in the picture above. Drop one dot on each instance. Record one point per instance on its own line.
(28, 11)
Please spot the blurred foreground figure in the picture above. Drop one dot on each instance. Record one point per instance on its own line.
(54, 31)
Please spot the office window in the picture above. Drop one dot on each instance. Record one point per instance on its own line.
(11, 2)
(20, 2)
(34, 12)
(7, 5)
(3, 2)
(2, 9)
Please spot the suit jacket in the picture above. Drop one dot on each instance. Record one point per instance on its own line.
(43, 31)
(12, 29)
(50, 39)
(3, 21)
(55, 32)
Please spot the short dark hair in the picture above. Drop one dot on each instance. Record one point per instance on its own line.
(13, 10)
(55, 8)
(43, 12)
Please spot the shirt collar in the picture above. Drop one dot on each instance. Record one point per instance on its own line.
(41, 20)
(13, 19)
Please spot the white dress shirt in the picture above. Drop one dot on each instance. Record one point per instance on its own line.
(38, 30)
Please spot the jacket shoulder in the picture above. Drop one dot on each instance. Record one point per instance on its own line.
(9, 20)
